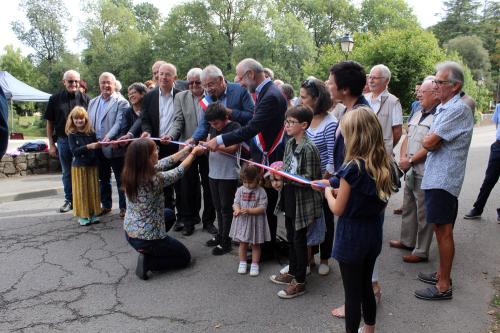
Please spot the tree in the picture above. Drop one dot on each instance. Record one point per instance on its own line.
(147, 17)
(46, 31)
(325, 19)
(461, 18)
(115, 44)
(379, 15)
(410, 55)
(474, 55)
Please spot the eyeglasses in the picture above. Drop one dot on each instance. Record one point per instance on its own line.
(375, 77)
(211, 84)
(73, 81)
(440, 82)
(191, 83)
(290, 123)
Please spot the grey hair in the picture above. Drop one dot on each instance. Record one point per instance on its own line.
(456, 73)
(69, 72)
(108, 74)
(428, 78)
(210, 71)
(139, 87)
(384, 70)
(250, 64)
(193, 72)
(118, 86)
(269, 73)
(287, 90)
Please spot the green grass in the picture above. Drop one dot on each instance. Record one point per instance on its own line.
(29, 126)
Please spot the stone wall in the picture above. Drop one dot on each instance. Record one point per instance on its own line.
(28, 164)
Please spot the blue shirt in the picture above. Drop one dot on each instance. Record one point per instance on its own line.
(445, 166)
(496, 120)
(99, 130)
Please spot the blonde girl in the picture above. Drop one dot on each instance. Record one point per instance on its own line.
(365, 187)
(84, 171)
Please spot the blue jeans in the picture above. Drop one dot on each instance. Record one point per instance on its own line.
(105, 166)
(162, 254)
(65, 158)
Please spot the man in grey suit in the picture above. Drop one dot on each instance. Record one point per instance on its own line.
(105, 114)
(188, 114)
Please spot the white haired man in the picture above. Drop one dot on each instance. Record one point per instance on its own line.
(56, 114)
(448, 143)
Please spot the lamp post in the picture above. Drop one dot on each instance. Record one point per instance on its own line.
(346, 44)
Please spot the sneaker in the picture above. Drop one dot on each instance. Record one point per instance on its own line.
(473, 214)
(293, 289)
(94, 219)
(242, 268)
(285, 269)
(84, 221)
(254, 269)
(66, 207)
(212, 242)
(219, 250)
(282, 278)
(433, 294)
(323, 269)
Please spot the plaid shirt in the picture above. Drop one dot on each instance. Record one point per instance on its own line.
(308, 203)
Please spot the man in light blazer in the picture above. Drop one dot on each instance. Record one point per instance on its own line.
(105, 114)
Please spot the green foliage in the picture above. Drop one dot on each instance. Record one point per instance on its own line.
(410, 55)
(46, 31)
(379, 15)
(461, 19)
(475, 56)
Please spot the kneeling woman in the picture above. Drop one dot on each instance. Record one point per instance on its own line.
(147, 221)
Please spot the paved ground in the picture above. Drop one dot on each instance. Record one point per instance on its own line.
(58, 276)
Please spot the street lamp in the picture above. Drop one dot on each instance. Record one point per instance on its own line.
(346, 44)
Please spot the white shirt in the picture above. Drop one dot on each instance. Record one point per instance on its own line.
(375, 104)
(166, 111)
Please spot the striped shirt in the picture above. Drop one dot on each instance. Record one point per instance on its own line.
(323, 138)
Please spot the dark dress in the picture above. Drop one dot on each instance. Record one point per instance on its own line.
(359, 230)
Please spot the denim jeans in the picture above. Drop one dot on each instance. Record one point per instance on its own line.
(65, 158)
(105, 166)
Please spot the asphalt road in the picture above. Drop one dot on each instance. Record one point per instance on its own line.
(58, 276)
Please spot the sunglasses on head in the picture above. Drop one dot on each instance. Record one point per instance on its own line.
(310, 84)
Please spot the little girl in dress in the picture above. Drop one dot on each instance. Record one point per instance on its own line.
(249, 224)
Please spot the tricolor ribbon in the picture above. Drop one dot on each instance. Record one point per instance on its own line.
(281, 173)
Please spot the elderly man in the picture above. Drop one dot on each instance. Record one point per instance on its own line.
(56, 114)
(105, 114)
(448, 143)
(416, 234)
(235, 98)
(155, 70)
(265, 128)
(492, 173)
(385, 105)
(158, 114)
(188, 114)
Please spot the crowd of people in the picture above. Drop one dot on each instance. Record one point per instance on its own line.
(172, 149)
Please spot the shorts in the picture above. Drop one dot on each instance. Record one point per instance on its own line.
(441, 207)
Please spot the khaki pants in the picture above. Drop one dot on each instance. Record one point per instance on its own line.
(415, 232)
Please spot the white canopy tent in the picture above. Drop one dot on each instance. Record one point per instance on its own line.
(19, 91)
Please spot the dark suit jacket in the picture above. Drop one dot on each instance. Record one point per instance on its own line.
(239, 101)
(268, 119)
(150, 115)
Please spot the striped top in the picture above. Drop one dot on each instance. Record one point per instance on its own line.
(323, 138)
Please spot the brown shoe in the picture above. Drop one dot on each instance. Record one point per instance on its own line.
(122, 213)
(398, 245)
(282, 278)
(413, 259)
(105, 211)
(398, 211)
(293, 289)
